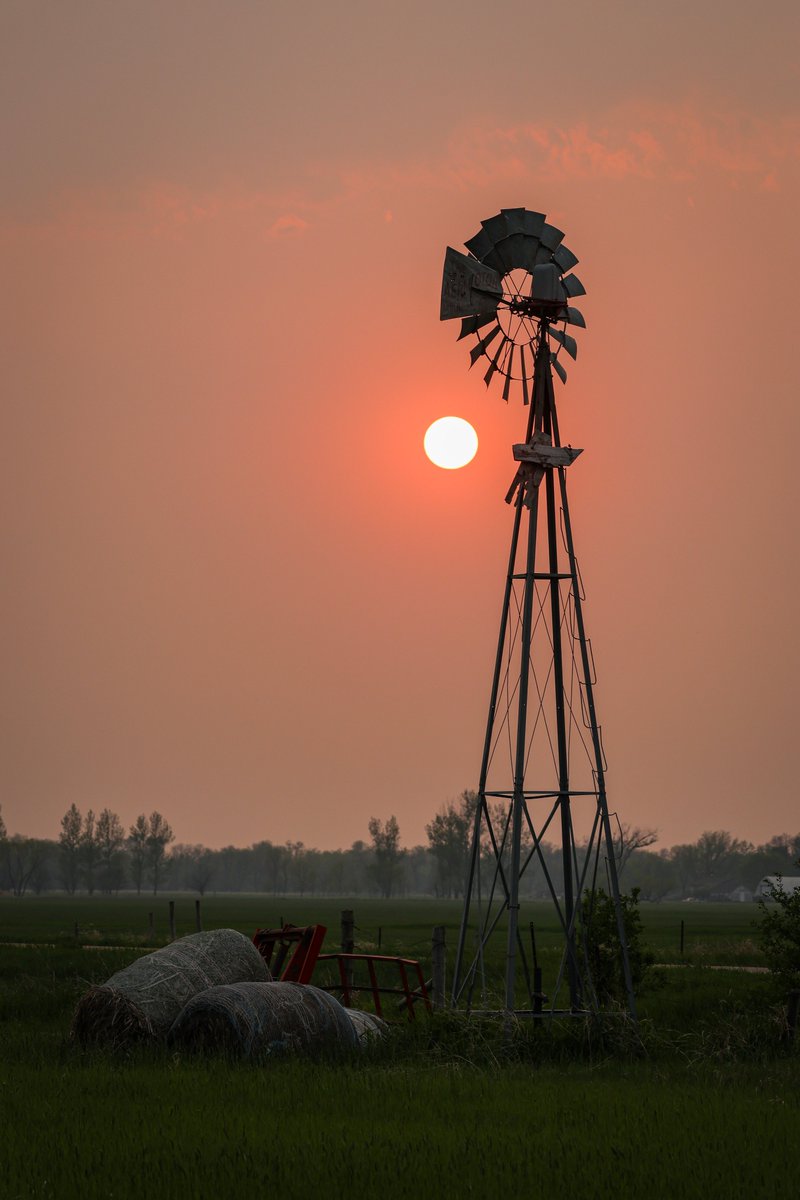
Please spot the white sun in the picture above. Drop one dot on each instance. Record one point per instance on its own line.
(451, 442)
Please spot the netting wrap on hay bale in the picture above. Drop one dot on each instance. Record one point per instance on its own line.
(368, 1027)
(255, 1019)
(141, 1001)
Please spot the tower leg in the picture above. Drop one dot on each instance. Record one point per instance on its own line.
(597, 747)
(487, 751)
(518, 801)
(561, 736)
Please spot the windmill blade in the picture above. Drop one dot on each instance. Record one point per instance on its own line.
(528, 250)
(509, 367)
(480, 347)
(565, 259)
(468, 287)
(534, 224)
(515, 220)
(514, 251)
(480, 245)
(496, 227)
(551, 237)
(573, 286)
(564, 339)
(473, 324)
(525, 397)
(494, 260)
(560, 372)
(487, 379)
(575, 317)
(503, 254)
(496, 231)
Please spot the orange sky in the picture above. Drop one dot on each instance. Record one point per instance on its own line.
(234, 588)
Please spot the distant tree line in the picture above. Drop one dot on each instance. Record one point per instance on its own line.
(94, 853)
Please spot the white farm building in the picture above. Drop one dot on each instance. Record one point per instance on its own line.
(790, 884)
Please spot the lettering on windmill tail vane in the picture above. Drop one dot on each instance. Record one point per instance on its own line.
(458, 287)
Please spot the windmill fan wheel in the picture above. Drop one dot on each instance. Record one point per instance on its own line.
(513, 287)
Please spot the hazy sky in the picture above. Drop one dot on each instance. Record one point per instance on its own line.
(234, 589)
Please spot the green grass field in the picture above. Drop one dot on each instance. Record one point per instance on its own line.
(703, 1103)
(722, 933)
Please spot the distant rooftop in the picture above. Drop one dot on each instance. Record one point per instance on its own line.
(789, 883)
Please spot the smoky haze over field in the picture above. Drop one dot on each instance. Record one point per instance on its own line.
(234, 588)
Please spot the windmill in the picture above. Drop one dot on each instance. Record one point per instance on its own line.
(543, 767)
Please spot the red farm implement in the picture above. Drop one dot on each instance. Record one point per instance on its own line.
(292, 952)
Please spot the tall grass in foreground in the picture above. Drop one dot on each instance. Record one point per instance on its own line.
(182, 1131)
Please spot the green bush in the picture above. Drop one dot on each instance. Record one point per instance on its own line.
(779, 935)
(604, 953)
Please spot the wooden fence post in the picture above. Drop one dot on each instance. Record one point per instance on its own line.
(348, 947)
(172, 920)
(198, 920)
(438, 966)
(348, 927)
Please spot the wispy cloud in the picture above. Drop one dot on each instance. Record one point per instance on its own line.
(578, 151)
(689, 141)
(288, 225)
(644, 142)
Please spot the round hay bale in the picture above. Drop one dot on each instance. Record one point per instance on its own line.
(141, 1001)
(368, 1026)
(249, 1020)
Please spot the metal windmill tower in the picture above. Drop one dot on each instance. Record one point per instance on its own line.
(542, 777)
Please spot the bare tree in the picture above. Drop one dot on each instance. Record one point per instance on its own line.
(448, 841)
(388, 864)
(110, 837)
(628, 840)
(271, 865)
(89, 851)
(306, 868)
(3, 833)
(783, 845)
(70, 848)
(138, 834)
(196, 865)
(25, 860)
(294, 854)
(158, 839)
(716, 851)
(202, 871)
